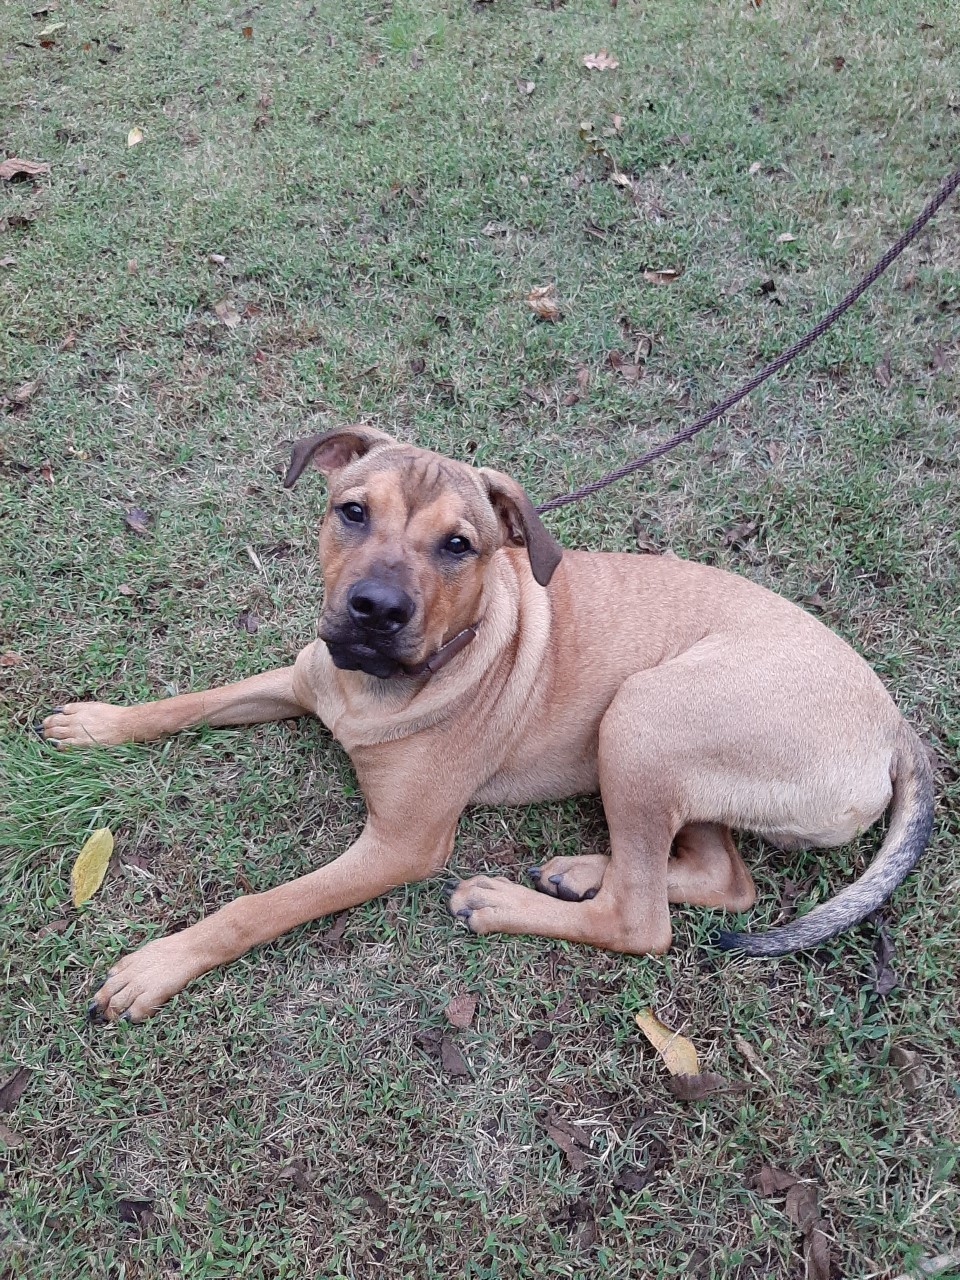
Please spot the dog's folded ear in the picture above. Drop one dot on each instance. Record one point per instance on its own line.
(332, 450)
(521, 525)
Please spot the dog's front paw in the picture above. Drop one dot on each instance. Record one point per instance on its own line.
(86, 724)
(490, 904)
(138, 984)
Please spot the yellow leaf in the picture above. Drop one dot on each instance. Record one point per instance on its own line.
(677, 1052)
(86, 875)
(134, 136)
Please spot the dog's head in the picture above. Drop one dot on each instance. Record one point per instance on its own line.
(405, 542)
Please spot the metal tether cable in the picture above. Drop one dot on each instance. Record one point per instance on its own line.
(718, 410)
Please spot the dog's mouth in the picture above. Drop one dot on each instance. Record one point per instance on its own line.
(360, 655)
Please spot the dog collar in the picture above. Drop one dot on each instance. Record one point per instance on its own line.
(446, 653)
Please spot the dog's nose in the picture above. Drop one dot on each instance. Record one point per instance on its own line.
(379, 606)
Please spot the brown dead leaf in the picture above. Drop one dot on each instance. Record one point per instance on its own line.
(16, 170)
(137, 519)
(139, 1212)
(678, 1053)
(570, 399)
(802, 1206)
(460, 1010)
(12, 1088)
(569, 1139)
(227, 313)
(330, 937)
(816, 1253)
(839, 62)
(600, 61)
(247, 33)
(910, 1065)
(542, 302)
(771, 1181)
(10, 1137)
(247, 621)
(69, 341)
(217, 259)
(630, 372)
(452, 1060)
(526, 87)
(10, 659)
(693, 1088)
(882, 372)
(296, 1172)
(24, 392)
(125, 589)
(786, 237)
(583, 378)
(60, 925)
(885, 977)
(134, 137)
(664, 275)
(132, 267)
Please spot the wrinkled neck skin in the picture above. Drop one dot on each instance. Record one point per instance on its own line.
(511, 645)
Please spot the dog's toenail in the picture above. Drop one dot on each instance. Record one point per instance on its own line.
(591, 893)
(556, 879)
(125, 1017)
(533, 873)
(57, 711)
(464, 913)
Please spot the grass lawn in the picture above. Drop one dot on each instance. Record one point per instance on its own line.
(366, 193)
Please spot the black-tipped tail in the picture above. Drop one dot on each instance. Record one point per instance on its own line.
(911, 821)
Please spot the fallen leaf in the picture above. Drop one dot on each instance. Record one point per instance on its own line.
(10, 659)
(885, 977)
(785, 237)
(911, 1067)
(137, 1211)
(882, 372)
(137, 519)
(460, 1010)
(132, 268)
(839, 62)
(755, 168)
(634, 1178)
(243, 881)
(541, 1040)
(617, 123)
(802, 1205)
(816, 1254)
(134, 137)
(51, 29)
(46, 472)
(692, 1088)
(9, 1137)
(69, 341)
(771, 1181)
(570, 1140)
(125, 589)
(86, 875)
(24, 392)
(8, 261)
(296, 1172)
(375, 1202)
(247, 621)
(570, 399)
(630, 372)
(452, 1060)
(247, 33)
(417, 366)
(665, 275)
(751, 1055)
(600, 61)
(526, 87)
(583, 378)
(678, 1054)
(13, 169)
(218, 259)
(330, 937)
(226, 313)
(12, 1088)
(53, 926)
(542, 302)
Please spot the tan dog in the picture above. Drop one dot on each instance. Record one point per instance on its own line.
(695, 702)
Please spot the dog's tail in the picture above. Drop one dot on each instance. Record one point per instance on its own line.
(911, 821)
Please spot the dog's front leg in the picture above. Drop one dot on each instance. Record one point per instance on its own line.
(269, 696)
(379, 860)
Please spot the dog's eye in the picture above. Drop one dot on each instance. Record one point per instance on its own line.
(353, 513)
(457, 545)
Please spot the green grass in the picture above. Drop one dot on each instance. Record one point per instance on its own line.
(384, 194)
